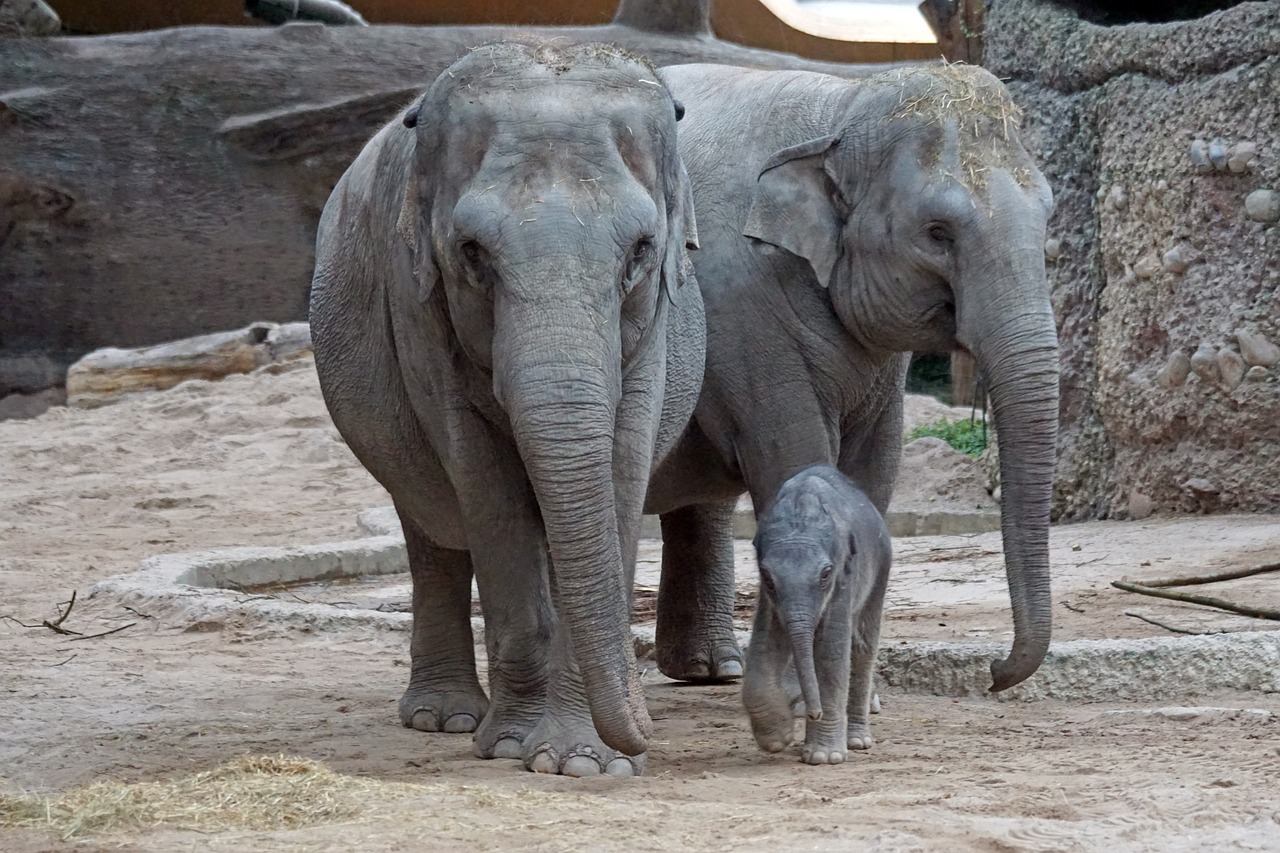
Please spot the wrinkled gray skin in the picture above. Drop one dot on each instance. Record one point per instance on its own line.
(824, 556)
(28, 18)
(845, 224)
(506, 340)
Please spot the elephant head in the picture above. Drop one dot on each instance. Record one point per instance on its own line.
(924, 217)
(550, 212)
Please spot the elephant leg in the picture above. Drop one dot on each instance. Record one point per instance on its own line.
(565, 740)
(865, 642)
(511, 571)
(825, 740)
(695, 639)
(444, 694)
(768, 698)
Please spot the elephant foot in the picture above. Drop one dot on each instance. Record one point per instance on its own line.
(825, 742)
(701, 658)
(504, 731)
(859, 736)
(436, 710)
(572, 748)
(773, 727)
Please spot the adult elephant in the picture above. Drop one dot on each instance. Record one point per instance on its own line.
(508, 340)
(844, 225)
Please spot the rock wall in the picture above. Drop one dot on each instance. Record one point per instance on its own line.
(168, 183)
(1162, 143)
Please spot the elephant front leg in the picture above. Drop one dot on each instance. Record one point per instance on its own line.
(565, 741)
(765, 691)
(825, 739)
(519, 624)
(444, 694)
(695, 638)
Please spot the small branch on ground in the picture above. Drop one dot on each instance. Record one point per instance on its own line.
(1160, 624)
(68, 660)
(104, 633)
(1072, 607)
(1231, 575)
(56, 624)
(1206, 601)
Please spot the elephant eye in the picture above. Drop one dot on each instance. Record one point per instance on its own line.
(825, 577)
(638, 260)
(940, 233)
(472, 252)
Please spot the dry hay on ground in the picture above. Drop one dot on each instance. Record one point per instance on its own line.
(251, 792)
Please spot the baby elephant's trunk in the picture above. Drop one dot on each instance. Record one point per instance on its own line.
(802, 652)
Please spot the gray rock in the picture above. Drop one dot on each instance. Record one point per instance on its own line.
(1257, 350)
(1146, 267)
(104, 376)
(1204, 363)
(1053, 248)
(1218, 154)
(1116, 198)
(1177, 259)
(1243, 157)
(1200, 156)
(1263, 206)
(1231, 368)
(1257, 373)
(1175, 371)
(1199, 486)
(289, 341)
(1140, 506)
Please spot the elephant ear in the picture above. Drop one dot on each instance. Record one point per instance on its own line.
(412, 228)
(793, 206)
(682, 232)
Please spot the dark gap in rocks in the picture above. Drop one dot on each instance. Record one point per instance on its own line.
(1144, 11)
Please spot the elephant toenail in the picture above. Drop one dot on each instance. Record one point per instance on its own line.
(425, 721)
(459, 723)
(507, 747)
(620, 767)
(544, 762)
(581, 765)
(729, 669)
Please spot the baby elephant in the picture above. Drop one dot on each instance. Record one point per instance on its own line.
(824, 559)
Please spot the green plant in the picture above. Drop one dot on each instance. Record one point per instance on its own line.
(969, 436)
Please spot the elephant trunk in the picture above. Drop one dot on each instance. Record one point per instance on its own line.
(560, 383)
(1014, 339)
(800, 630)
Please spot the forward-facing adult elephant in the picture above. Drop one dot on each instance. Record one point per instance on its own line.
(506, 339)
(844, 225)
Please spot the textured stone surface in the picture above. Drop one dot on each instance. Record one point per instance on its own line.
(1152, 138)
(105, 375)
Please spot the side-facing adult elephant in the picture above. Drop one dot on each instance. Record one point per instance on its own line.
(508, 338)
(844, 225)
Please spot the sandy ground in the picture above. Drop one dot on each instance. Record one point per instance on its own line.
(254, 460)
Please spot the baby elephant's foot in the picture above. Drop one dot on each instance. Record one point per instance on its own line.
(571, 747)
(824, 742)
(455, 710)
(859, 736)
(773, 728)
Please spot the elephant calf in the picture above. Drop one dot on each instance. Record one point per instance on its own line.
(509, 338)
(824, 557)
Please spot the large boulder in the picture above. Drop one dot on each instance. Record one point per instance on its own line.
(1163, 259)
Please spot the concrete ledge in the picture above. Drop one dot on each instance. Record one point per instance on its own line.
(1148, 668)
(206, 589)
(209, 586)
